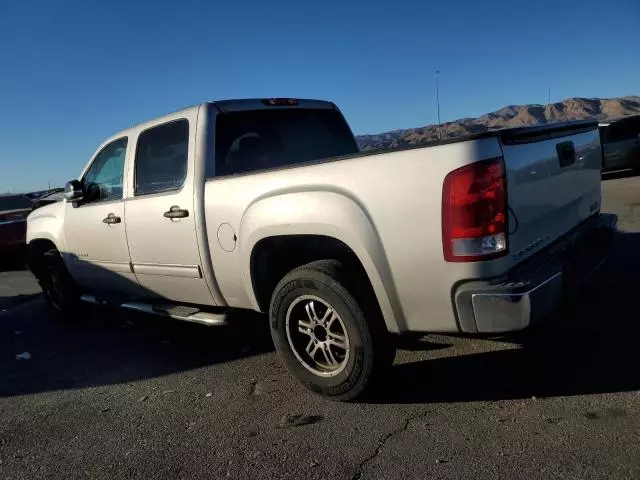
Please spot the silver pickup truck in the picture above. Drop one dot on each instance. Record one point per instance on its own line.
(268, 205)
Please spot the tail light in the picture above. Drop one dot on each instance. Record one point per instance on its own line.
(474, 212)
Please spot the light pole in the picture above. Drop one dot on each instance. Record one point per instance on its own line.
(438, 105)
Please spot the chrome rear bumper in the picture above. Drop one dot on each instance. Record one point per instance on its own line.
(536, 288)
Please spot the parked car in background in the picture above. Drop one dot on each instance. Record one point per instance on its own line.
(620, 144)
(35, 195)
(14, 210)
(48, 197)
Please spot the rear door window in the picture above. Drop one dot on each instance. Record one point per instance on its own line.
(161, 158)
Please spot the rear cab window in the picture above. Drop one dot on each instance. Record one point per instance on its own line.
(263, 139)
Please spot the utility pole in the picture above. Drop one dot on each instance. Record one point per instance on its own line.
(549, 98)
(438, 106)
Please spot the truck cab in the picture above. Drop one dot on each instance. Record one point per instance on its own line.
(133, 227)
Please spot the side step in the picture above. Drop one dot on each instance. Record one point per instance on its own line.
(175, 311)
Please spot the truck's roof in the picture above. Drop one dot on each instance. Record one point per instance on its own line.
(230, 105)
(259, 104)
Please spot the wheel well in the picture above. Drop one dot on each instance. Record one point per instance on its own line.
(35, 254)
(273, 257)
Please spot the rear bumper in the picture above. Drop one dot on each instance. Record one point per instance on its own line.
(534, 289)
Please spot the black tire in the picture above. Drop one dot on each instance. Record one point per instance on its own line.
(60, 291)
(371, 349)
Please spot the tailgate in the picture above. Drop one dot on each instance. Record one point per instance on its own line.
(553, 182)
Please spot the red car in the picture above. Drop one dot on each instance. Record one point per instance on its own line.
(14, 210)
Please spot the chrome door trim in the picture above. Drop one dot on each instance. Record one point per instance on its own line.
(116, 267)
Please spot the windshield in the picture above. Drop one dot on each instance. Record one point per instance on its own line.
(261, 139)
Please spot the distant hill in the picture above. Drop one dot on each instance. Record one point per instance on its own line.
(510, 116)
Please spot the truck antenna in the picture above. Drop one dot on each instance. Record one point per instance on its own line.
(438, 106)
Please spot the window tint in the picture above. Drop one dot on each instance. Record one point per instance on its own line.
(161, 158)
(255, 140)
(103, 180)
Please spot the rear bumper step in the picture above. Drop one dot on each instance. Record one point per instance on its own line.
(536, 288)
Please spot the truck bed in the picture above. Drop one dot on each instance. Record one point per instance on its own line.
(393, 200)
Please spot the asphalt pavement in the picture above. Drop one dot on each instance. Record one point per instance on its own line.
(16, 287)
(121, 395)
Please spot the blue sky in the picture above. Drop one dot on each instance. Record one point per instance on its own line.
(75, 72)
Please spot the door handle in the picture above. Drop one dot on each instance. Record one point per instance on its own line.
(176, 212)
(111, 219)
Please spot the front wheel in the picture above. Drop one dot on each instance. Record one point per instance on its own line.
(59, 289)
(329, 337)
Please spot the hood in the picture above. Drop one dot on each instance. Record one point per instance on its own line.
(50, 210)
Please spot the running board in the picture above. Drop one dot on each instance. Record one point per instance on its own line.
(177, 312)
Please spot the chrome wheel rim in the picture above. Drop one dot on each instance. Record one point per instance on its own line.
(317, 336)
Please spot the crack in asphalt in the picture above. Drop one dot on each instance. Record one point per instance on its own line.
(383, 441)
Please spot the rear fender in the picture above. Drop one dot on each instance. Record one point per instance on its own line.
(331, 214)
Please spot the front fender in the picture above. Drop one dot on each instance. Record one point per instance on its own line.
(331, 214)
(45, 223)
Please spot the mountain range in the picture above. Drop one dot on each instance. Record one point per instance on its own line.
(509, 116)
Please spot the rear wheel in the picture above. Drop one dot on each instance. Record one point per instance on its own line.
(330, 336)
(59, 289)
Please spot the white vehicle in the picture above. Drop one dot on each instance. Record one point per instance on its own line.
(267, 205)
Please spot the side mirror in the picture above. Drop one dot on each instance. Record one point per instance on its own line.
(73, 191)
